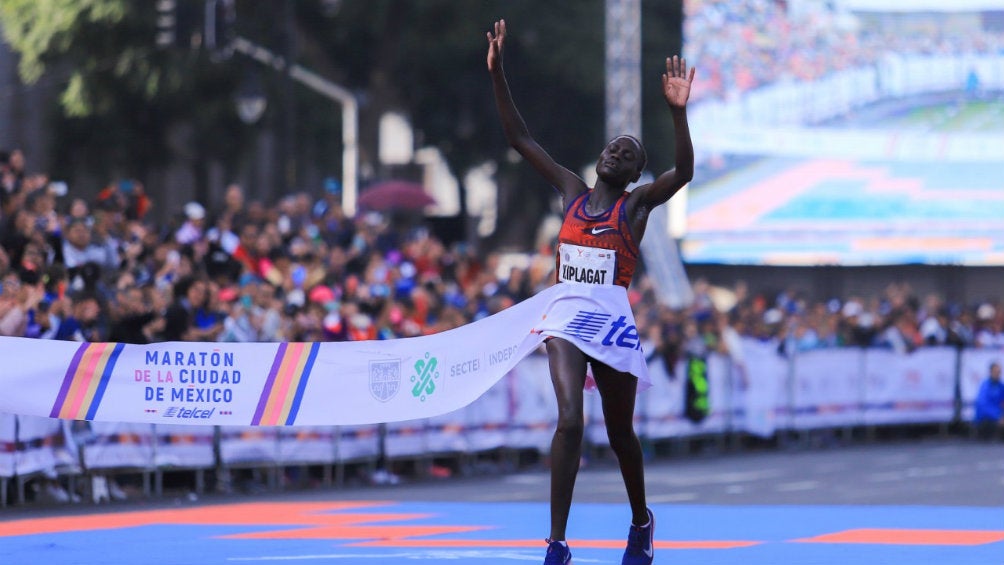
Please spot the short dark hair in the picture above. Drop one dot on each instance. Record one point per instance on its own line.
(641, 148)
(73, 221)
(182, 285)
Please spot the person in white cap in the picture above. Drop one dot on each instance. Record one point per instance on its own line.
(191, 231)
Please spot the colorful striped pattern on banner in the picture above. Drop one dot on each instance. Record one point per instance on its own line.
(86, 380)
(280, 400)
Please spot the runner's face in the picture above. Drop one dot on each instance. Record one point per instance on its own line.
(620, 161)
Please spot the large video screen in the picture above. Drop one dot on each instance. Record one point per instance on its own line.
(855, 132)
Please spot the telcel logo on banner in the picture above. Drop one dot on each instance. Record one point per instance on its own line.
(189, 413)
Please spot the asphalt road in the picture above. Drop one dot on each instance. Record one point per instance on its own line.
(931, 472)
(944, 472)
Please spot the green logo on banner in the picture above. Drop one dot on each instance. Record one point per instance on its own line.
(425, 377)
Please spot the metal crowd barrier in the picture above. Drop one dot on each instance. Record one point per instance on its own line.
(757, 392)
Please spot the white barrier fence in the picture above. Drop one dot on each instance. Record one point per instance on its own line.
(828, 388)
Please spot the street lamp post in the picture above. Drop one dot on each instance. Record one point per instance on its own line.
(332, 91)
(250, 100)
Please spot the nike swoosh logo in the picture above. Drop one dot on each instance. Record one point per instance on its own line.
(649, 552)
(601, 230)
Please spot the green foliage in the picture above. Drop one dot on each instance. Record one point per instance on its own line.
(120, 96)
(121, 99)
(42, 29)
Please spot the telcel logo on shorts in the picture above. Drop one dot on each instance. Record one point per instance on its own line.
(589, 325)
(189, 413)
(622, 334)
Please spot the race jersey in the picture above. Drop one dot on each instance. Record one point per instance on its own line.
(596, 249)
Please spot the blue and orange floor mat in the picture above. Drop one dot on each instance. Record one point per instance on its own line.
(459, 533)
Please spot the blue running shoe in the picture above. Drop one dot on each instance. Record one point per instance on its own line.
(640, 550)
(557, 554)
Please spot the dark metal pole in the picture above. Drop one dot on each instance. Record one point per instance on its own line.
(290, 99)
(285, 177)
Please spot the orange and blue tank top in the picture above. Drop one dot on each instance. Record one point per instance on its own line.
(596, 249)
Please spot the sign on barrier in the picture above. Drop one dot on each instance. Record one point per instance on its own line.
(762, 393)
(664, 403)
(355, 443)
(244, 445)
(486, 421)
(38, 440)
(974, 367)
(405, 439)
(828, 388)
(307, 445)
(445, 433)
(534, 409)
(8, 444)
(185, 447)
(719, 396)
(766, 396)
(112, 445)
(908, 389)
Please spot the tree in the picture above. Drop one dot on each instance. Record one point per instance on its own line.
(126, 107)
(426, 59)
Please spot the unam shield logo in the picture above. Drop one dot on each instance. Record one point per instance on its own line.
(385, 379)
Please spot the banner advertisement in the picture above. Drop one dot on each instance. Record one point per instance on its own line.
(914, 388)
(719, 418)
(664, 403)
(289, 384)
(357, 443)
(243, 446)
(116, 445)
(827, 388)
(305, 445)
(446, 433)
(487, 419)
(405, 439)
(534, 411)
(40, 441)
(183, 447)
(595, 432)
(8, 444)
(764, 388)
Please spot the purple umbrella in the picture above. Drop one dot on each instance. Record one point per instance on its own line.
(395, 195)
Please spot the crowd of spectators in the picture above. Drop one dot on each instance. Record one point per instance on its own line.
(740, 45)
(101, 270)
(299, 271)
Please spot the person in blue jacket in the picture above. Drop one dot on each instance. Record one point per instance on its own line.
(989, 419)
